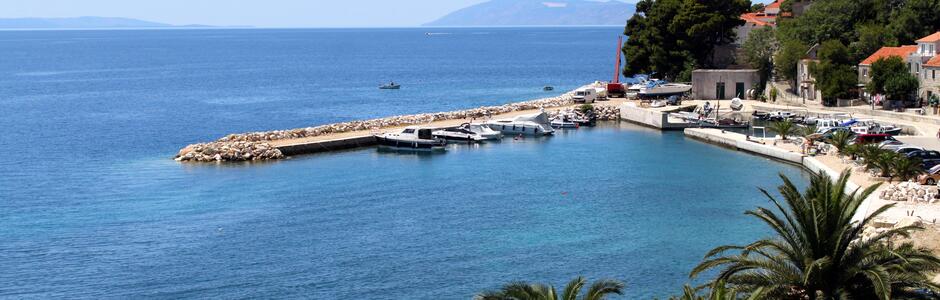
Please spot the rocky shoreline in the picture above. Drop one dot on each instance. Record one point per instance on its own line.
(255, 146)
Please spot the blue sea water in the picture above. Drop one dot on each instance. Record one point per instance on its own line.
(92, 206)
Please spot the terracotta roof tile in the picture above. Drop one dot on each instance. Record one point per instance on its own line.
(933, 62)
(903, 52)
(756, 18)
(933, 38)
(775, 4)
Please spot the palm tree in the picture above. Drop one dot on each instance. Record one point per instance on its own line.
(904, 168)
(527, 291)
(870, 153)
(806, 131)
(818, 251)
(783, 128)
(718, 291)
(841, 140)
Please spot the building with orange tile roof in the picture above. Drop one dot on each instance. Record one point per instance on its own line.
(922, 61)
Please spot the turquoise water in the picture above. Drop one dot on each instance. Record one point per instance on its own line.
(93, 206)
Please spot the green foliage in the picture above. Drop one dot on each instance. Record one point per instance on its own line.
(904, 168)
(806, 131)
(890, 76)
(528, 291)
(672, 37)
(790, 54)
(756, 7)
(841, 140)
(783, 128)
(759, 51)
(818, 251)
(585, 108)
(834, 74)
(863, 25)
(717, 291)
(774, 93)
(871, 37)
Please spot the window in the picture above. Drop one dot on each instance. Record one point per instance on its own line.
(865, 72)
(409, 130)
(932, 49)
(934, 74)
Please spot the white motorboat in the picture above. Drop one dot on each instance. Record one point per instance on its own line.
(412, 137)
(534, 124)
(473, 132)
(390, 86)
(661, 88)
(562, 121)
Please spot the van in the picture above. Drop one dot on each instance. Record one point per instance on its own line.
(585, 95)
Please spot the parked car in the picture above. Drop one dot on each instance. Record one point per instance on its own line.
(892, 145)
(908, 149)
(931, 177)
(929, 158)
(872, 138)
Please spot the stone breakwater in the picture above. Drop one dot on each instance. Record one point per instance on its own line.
(254, 146)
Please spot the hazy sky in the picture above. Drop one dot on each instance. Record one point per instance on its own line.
(261, 13)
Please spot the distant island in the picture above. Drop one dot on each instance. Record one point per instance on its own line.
(539, 13)
(83, 22)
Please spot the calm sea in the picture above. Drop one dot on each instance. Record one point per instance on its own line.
(92, 206)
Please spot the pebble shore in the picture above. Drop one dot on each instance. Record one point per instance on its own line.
(255, 146)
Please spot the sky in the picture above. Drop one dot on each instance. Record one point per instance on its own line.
(258, 13)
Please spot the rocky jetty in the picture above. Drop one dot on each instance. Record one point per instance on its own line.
(910, 192)
(229, 151)
(253, 146)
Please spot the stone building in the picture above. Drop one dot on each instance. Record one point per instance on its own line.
(724, 83)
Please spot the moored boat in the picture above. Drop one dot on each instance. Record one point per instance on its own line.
(473, 132)
(412, 137)
(662, 88)
(534, 124)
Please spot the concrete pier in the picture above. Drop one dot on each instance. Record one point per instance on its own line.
(655, 117)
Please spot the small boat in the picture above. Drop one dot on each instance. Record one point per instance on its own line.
(659, 103)
(548, 88)
(737, 104)
(662, 88)
(535, 124)
(473, 132)
(390, 86)
(561, 121)
(412, 137)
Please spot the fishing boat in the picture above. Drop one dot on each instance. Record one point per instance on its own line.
(472, 132)
(548, 88)
(412, 137)
(662, 88)
(390, 86)
(535, 124)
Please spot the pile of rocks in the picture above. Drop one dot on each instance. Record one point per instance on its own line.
(398, 121)
(229, 151)
(607, 113)
(910, 192)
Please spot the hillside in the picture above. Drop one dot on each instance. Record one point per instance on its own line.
(79, 22)
(539, 12)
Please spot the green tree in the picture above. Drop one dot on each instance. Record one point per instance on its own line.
(671, 37)
(789, 56)
(716, 291)
(834, 75)
(871, 37)
(913, 19)
(818, 251)
(890, 76)
(841, 140)
(759, 49)
(528, 291)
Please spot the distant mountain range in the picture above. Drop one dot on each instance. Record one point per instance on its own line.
(539, 12)
(82, 22)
